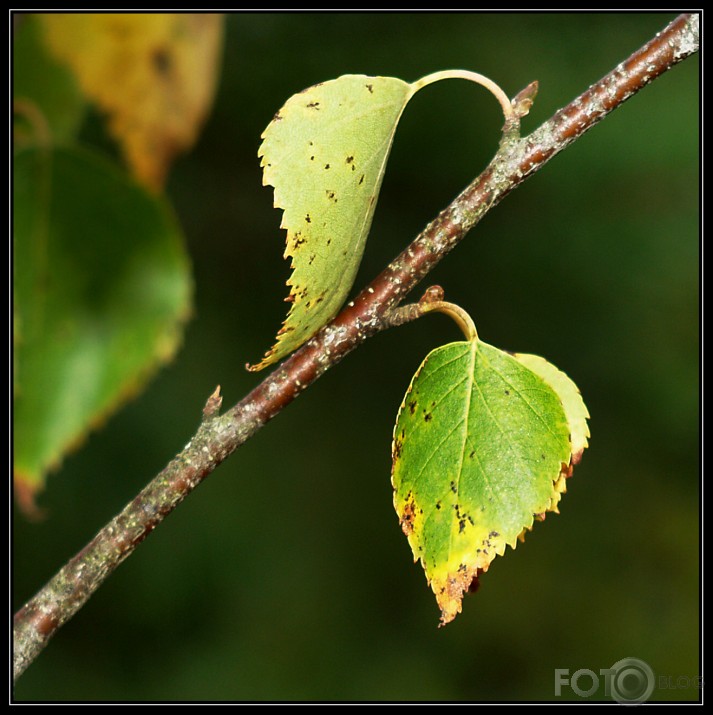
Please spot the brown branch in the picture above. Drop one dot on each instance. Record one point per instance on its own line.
(220, 435)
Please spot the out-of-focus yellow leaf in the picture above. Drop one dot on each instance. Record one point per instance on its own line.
(153, 74)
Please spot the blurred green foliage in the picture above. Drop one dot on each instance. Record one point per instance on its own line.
(286, 575)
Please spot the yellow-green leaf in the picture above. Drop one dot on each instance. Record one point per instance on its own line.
(482, 446)
(324, 153)
(154, 74)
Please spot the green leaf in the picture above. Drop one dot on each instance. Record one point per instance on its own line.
(102, 288)
(482, 445)
(324, 153)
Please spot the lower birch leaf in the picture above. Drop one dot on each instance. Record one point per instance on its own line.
(482, 446)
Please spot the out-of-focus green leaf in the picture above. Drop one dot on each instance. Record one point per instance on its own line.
(102, 288)
(483, 444)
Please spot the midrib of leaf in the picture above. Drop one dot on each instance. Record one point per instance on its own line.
(516, 454)
(466, 421)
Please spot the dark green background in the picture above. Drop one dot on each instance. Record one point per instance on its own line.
(286, 575)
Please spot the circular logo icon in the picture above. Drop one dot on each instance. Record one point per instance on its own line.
(632, 681)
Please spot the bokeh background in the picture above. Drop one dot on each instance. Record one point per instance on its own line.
(285, 576)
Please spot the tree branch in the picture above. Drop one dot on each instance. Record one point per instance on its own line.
(220, 435)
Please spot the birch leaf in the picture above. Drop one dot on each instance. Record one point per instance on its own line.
(154, 74)
(483, 443)
(324, 153)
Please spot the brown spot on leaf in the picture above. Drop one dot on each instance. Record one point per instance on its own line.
(398, 444)
(412, 406)
(407, 518)
(313, 105)
(350, 159)
(308, 219)
(161, 60)
(370, 87)
(327, 166)
(361, 180)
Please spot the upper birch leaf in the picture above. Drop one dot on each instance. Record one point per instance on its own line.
(324, 153)
(483, 444)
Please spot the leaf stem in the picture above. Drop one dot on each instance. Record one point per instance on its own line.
(456, 313)
(476, 77)
(432, 302)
